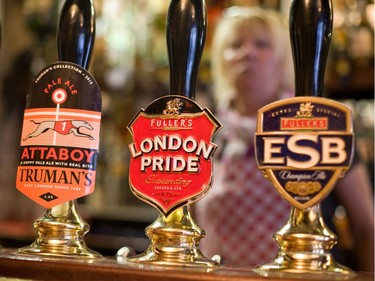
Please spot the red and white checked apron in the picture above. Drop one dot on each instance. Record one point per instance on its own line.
(242, 211)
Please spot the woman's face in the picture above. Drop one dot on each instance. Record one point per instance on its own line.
(250, 63)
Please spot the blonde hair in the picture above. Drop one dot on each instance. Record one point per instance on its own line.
(232, 20)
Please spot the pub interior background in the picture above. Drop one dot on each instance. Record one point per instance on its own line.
(130, 64)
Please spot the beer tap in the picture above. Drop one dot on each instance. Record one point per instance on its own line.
(175, 235)
(305, 241)
(61, 229)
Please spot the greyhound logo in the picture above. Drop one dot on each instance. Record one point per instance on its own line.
(63, 127)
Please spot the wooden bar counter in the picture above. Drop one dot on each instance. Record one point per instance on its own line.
(35, 267)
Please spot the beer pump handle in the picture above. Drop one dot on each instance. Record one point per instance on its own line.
(310, 33)
(186, 33)
(76, 32)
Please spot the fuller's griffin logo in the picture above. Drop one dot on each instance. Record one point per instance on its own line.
(171, 152)
(304, 145)
(173, 107)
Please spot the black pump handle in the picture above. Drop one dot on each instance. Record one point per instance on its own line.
(76, 33)
(186, 34)
(310, 26)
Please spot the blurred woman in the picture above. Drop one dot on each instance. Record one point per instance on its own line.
(251, 67)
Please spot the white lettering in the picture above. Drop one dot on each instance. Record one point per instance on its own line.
(270, 149)
(304, 150)
(331, 147)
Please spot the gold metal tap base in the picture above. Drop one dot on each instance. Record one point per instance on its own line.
(304, 247)
(60, 233)
(174, 242)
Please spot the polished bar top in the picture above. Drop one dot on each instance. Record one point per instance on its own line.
(36, 267)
